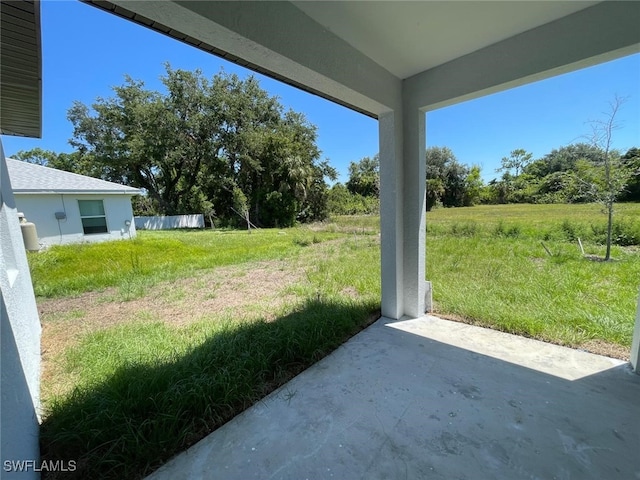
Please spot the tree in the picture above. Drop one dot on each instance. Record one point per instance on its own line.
(37, 156)
(342, 202)
(557, 187)
(435, 192)
(562, 159)
(194, 145)
(513, 186)
(517, 160)
(455, 185)
(240, 206)
(501, 191)
(69, 162)
(152, 141)
(316, 204)
(604, 179)
(473, 186)
(364, 177)
(632, 160)
(446, 178)
(280, 171)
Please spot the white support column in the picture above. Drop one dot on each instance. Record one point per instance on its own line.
(20, 339)
(402, 213)
(414, 212)
(391, 229)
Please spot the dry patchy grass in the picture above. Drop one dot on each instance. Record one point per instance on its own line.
(240, 289)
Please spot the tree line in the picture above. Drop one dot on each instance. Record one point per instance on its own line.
(582, 172)
(564, 175)
(557, 177)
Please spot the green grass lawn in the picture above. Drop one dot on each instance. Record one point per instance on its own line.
(489, 265)
(515, 286)
(122, 398)
(127, 384)
(541, 222)
(154, 257)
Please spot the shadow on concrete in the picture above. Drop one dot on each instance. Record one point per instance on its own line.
(408, 400)
(143, 414)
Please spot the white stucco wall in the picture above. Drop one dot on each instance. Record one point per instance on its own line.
(40, 209)
(20, 339)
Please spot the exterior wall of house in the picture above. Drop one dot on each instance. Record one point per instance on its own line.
(20, 339)
(41, 210)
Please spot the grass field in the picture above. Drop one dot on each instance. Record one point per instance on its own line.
(489, 266)
(150, 355)
(154, 257)
(150, 344)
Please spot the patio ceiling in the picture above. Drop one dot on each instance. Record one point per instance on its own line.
(408, 38)
(358, 53)
(20, 68)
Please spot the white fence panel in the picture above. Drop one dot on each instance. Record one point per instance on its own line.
(169, 222)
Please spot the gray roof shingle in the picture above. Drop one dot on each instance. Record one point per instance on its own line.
(30, 178)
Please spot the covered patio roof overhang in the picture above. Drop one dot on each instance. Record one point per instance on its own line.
(20, 69)
(394, 61)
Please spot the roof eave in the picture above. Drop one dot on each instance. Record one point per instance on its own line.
(21, 69)
(76, 192)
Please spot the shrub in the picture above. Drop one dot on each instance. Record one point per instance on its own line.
(571, 231)
(512, 231)
(342, 202)
(623, 233)
(467, 229)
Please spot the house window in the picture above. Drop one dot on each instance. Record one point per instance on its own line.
(93, 217)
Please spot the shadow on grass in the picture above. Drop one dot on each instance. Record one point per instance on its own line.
(144, 414)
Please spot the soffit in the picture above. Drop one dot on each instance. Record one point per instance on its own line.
(409, 37)
(20, 68)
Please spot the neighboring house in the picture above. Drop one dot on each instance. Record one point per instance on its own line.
(70, 208)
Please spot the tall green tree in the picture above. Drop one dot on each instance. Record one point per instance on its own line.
(364, 177)
(473, 186)
(37, 156)
(194, 145)
(150, 140)
(514, 185)
(517, 161)
(563, 159)
(73, 162)
(447, 179)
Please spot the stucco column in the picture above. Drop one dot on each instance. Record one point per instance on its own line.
(402, 212)
(20, 339)
(414, 210)
(390, 134)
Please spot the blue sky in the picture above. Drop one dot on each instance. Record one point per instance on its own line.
(87, 51)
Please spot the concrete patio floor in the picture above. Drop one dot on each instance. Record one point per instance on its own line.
(434, 399)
